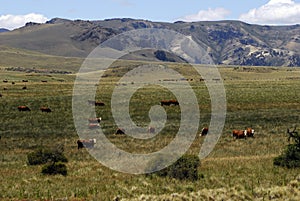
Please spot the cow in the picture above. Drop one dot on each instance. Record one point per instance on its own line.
(96, 103)
(151, 129)
(164, 102)
(0, 95)
(24, 87)
(44, 81)
(23, 108)
(5, 81)
(169, 102)
(239, 133)
(86, 143)
(249, 132)
(94, 126)
(94, 120)
(24, 80)
(45, 109)
(204, 131)
(5, 88)
(120, 131)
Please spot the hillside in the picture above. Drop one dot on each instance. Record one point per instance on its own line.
(228, 42)
(3, 30)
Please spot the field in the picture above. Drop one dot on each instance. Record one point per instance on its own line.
(264, 98)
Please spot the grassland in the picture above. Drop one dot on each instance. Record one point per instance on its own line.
(264, 98)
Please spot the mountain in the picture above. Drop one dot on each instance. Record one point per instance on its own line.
(3, 30)
(227, 42)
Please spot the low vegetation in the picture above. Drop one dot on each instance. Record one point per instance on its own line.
(290, 158)
(236, 169)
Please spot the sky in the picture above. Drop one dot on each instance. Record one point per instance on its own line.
(15, 13)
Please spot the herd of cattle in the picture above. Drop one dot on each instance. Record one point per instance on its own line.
(94, 123)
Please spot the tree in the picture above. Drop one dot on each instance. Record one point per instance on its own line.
(290, 158)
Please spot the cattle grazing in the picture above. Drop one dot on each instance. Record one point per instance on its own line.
(5, 88)
(249, 132)
(86, 143)
(44, 81)
(169, 102)
(24, 80)
(96, 103)
(94, 126)
(5, 81)
(120, 131)
(13, 83)
(151, 129)
(239, 133)
(23, 108)
(45, 109)
(94, 120)
(0, 95)
(24, 87)
(204, 131)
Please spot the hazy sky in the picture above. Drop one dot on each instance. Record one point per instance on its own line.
(15, 13)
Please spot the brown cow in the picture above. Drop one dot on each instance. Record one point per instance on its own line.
(94, 126)
(45, 109)
(239, 133)
(120, 131)
(94, 120)
(249, 132)
(86, 143)
(23, 108)
(169, 102)
(204, 131)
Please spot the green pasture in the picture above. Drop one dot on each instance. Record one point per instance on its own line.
(264, 98)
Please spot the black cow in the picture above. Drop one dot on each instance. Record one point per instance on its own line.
(86, 143)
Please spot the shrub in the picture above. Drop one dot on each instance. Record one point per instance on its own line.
(55, 168)
(291, 156)
(185, 168)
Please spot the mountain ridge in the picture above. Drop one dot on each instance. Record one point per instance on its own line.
(227, 42)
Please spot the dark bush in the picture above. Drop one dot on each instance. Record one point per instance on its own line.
(185, 168)
(55, 168)
(290, 158)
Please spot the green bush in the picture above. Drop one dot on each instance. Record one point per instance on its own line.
(42, 156)
(291, 156)
(185, 168)
(55, 168)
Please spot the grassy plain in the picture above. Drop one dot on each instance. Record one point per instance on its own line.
(264, 98)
